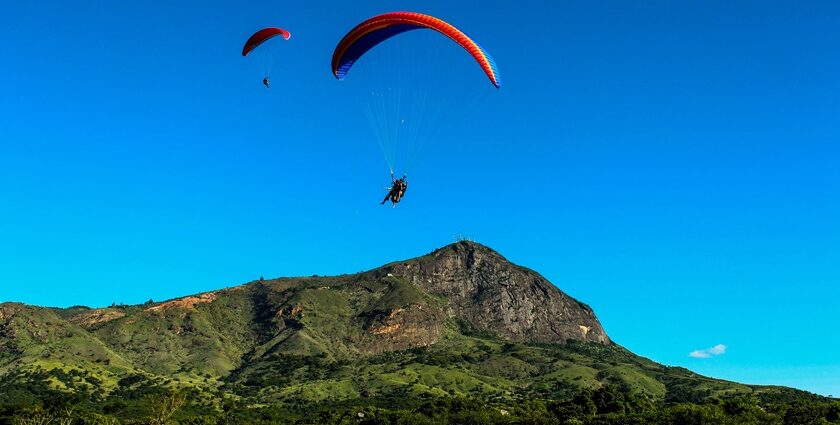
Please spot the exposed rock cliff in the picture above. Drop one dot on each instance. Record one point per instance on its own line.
(495, 295)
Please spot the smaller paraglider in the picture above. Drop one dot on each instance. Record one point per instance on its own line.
(396, 191)
(257, 39)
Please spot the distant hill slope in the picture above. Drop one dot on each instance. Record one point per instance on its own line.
(461, 320)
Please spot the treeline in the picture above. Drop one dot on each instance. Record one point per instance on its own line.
(608, 405)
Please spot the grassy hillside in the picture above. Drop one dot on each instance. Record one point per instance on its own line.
(273, 350)
(316, 348)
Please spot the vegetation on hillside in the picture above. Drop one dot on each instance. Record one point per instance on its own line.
(369, 348)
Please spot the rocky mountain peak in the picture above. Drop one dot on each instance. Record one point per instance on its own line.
(492, 294)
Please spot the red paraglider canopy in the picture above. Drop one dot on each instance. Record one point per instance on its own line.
(377, 29)
(261, 36)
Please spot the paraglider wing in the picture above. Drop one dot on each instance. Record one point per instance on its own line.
(373, 31)
(262, 36)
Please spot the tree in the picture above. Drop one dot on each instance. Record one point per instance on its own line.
(580, 407)
(163, 406)
(34, 416)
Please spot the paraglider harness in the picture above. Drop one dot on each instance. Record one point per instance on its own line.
(396, 191)
(266, 83)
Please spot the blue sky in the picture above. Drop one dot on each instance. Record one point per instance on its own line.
(672, 164)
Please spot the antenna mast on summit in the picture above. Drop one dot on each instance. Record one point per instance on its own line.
(461, 238)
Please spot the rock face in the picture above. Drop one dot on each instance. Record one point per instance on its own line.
(492, 294)
(417, 325)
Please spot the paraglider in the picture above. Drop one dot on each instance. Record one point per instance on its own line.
(267, 59)
(396, 191)
(402, 106)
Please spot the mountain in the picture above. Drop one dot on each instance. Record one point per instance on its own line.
(491, 294)
(460, 321)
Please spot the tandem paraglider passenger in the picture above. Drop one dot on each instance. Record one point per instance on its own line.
(396, 191)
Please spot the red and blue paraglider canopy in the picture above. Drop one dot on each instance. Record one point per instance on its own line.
(377, 29)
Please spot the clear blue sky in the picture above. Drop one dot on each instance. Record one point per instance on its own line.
(673, 164)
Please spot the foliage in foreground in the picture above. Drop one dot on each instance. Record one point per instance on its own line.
(605, 406)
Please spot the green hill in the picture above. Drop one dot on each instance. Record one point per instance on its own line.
(461, 323)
